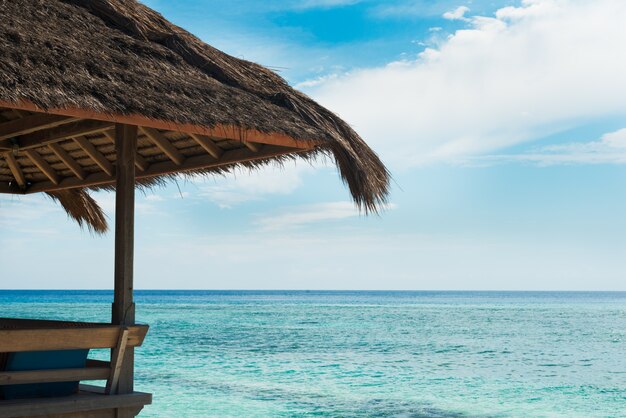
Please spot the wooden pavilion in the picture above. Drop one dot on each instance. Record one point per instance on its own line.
(107, 94)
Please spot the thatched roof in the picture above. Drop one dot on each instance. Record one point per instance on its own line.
(69, 69)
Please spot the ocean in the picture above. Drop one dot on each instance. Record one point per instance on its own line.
(367, 354)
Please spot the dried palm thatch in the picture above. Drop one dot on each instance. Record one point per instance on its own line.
(93, 62)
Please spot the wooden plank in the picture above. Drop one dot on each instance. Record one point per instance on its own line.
(15, 169)
(95, 155)
(60, 133)
(169, 167)
(117, 360)
(140, 162)
(81, 404)
(68, 161)
(16, 340)
(43, 165)
(123, 305)
(164, 145)
(31, 124)
(208, 145)
(58, 375)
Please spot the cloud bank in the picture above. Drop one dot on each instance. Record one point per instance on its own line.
(609, 149)
(543, 67)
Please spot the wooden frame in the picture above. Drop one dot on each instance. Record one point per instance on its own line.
(62, 136)
(158, 169)
(61, 149)
(37, 335)
(221, 131)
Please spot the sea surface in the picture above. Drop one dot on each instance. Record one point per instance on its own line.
(367, 354)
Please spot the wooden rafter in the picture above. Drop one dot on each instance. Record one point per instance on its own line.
(68, 160)
(208, 144)
(53, 135)
(15, 169)
(167, 167)
(95, 155)
(140, 162)
(164, 145)
(252, 146)
(34, 123)
(43, 166)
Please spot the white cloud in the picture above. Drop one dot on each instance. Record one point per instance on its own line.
(609, 149)
(380, 261)
(412, 8)
(303, 215)
(20, 213)
(456, 14)
(144, 204)
(528, 72)
(234, 189)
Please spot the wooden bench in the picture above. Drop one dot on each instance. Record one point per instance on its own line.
(23, 335)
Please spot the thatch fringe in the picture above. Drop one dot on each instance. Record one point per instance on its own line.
(81, 207)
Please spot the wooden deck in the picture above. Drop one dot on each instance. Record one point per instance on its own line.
(90, 402)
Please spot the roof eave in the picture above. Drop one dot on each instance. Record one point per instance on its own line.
(233, 132)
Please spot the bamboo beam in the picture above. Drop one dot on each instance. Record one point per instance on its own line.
(140, 162)
(123, 312)
(164, 145)
(69, 161)
(169, 167)
(53, 135)
(15, 169)
(31, 124)
(95, 155)
(43, 165)
(208, 145)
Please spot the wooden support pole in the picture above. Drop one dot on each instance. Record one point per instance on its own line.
(123, 305)
(140, 162)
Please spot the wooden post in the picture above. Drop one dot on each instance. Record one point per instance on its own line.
(123, 305)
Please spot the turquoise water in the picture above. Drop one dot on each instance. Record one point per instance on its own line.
(368, 354)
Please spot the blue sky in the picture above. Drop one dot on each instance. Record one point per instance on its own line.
(502, 122)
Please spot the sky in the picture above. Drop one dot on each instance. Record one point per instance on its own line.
(502, 122)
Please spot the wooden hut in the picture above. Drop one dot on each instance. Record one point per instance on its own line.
(107, 94)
